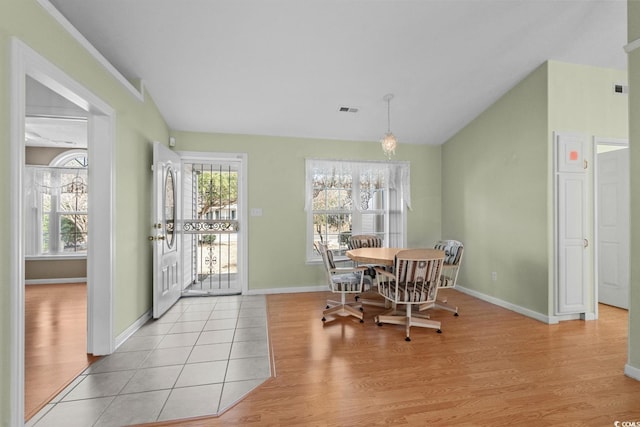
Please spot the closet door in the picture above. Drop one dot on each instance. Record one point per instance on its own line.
(572, 287)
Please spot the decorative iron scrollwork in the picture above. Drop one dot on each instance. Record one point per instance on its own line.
(203, 226)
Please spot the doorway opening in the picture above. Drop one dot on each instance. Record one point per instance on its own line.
(211, 224)
(28, 65)
(612, 221)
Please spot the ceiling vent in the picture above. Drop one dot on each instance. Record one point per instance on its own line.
(348, 109)
(620, 88)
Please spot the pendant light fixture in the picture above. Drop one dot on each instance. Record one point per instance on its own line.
(389, 142)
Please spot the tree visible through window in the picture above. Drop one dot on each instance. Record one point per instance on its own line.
(58, 195)
(345, 198)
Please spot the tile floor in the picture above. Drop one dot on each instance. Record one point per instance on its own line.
(198, 359)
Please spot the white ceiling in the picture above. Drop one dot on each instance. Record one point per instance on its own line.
(285, 67)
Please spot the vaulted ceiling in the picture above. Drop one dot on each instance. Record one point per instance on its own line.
(285, 67)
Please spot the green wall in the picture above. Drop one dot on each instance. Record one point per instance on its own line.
(633, 12)
(276, 183)
(494, 195)
(137, 123)
(581, 99)
(499, 201)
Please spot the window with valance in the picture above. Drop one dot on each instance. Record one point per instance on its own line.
(57, 201)
(345, 198)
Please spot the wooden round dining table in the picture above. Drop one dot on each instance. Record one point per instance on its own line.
(381, 256)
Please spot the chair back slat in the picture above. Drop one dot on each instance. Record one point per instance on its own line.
(327, 255)
(346, 282)
(417, 273)
(453, 250)
(364, 241)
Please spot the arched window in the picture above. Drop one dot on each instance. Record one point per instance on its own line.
(58, 198)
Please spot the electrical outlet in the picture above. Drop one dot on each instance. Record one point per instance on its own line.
(494, 276)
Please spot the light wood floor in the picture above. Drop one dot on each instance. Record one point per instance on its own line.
(489, 367)
(55, 341)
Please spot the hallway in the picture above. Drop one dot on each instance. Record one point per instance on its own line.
(204, 346)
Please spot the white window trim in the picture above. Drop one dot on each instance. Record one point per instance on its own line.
(399, 181)
(65, 156)
(33, 234)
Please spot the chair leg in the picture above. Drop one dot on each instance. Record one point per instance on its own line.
(408, 319)
(408, 327)
(443, 305)
(342, 308)
(439, 304)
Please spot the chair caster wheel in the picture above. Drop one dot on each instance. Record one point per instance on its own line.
(361, 309)
(324, 320)
(379, 323)
(327, 307)
(361, 320)
(439, 331)
(407, 339)
(456, 314)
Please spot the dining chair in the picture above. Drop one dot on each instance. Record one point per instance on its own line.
(414, 282)
(453, 250)
(343, 281)
(358, 241)
(364, 241)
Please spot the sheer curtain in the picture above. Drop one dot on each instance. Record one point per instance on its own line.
(51, 195)
(373, 192)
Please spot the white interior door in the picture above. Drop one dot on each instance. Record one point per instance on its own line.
(166, 244)
(613, 227)
(573, 286)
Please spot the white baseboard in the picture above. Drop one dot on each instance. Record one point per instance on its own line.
(120, 339)
(509, 306)
(632, 372)
(55, 281)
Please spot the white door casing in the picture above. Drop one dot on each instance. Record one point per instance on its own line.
(167, 258)
(572, 237)
(100, 263)
(613, 227)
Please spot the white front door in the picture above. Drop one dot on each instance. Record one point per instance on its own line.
(166, 244)
(613, 227)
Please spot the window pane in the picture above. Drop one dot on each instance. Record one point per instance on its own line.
(44, 233)
(373, 199)
(73, 232)
(73, 202)
(77, 162)
(353, 198)
(332, 228)
(44, 222)
(372, 224)
(319, 202)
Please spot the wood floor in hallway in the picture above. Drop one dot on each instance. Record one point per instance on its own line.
(55, 340)
(489, 367)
